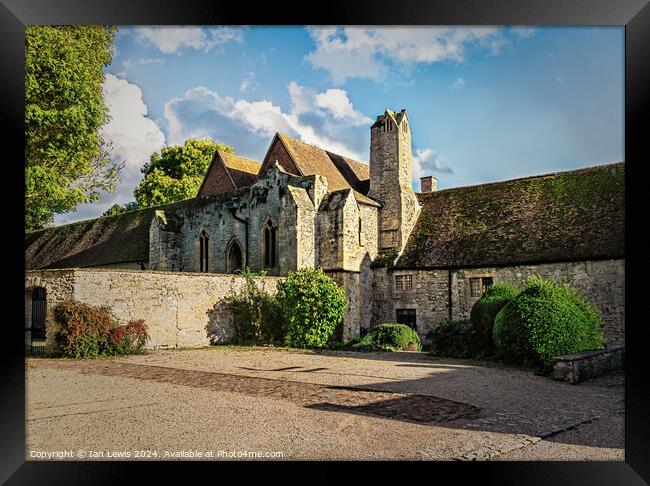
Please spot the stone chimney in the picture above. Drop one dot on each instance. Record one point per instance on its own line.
(428, 184)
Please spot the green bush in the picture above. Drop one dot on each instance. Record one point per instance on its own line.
(312, 304)
(256, 314)
(488, 306)
(392, 337)
(545, 320)
(457, 339)
(89, 332)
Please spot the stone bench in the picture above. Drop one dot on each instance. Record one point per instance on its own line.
(578, 367)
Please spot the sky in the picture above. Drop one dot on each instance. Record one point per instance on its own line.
(485, 103)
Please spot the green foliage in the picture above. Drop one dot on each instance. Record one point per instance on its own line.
(256, 314)
(312, 304)
(457, 339)
(89, 332)
(488, 306)
(392, 337)
(545, 320)
(176, 172)
(66, 160)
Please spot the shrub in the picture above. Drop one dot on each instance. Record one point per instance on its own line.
(457, 339)
(256, 314)
(85, 331)
(545, 320)
(487, 307)
(392, 337)
(88, 332)
(312, 304)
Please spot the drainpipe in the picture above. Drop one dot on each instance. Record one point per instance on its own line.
(233, 206)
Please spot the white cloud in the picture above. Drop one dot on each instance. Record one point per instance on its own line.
(150, 60)
(459, 83)
(326, 119)
(523, 32)
(360, 52)
(134, 138)
(246, 84)
(336, 101)
(426, 161)
(170, 40)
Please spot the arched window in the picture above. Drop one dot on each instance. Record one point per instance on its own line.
(270, 232)
(234, 258)
(204, 250)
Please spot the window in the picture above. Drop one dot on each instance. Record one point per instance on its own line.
(478, 285)
(403, 282)
(487, 281)
(203, 251)
(406, 316)
(234, 258)
(360, 232)
(270, 232)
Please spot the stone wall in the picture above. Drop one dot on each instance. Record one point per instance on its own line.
(277, 197)
(390, 180)
(436, 292)
(180, 309)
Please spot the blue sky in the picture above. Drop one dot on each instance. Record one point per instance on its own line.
(485, 103)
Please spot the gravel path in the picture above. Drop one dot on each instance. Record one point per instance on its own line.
(315, 405)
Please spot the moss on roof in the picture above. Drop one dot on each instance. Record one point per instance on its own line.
(242, 164)
(573, 215)
(102, 241)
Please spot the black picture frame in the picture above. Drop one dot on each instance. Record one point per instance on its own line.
(634, 15)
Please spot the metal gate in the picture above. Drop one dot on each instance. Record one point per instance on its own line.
(39, 311)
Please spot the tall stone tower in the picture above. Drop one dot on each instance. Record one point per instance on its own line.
(391, 160)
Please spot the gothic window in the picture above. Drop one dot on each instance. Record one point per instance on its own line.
(204, 249)
(403, 282)
(235, 260)
(270, 244)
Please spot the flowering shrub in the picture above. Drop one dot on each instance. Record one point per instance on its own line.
(88, 332)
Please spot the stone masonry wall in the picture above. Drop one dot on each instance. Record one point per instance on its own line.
(601, 282)
(180, 309)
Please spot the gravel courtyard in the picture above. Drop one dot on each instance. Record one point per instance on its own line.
(228, 402)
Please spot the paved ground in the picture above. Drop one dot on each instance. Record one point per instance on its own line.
(326, 405)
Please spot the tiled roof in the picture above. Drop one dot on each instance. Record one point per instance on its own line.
(311, 160)
(241, 164)
(102, 241)
(574, 215)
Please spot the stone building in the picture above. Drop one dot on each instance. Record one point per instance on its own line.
(400, 256)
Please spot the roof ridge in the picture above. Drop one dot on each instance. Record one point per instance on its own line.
(528, 178)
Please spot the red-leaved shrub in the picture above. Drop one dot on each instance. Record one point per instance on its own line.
(87, 332)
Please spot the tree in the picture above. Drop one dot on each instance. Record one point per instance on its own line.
(117, 209)
(66, 160)
(176, 172)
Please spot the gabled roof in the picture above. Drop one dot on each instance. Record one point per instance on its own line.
(354, 172)
(228, 172)
(341, 172)
(242, 171)
(574, 215)
(239, 163)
